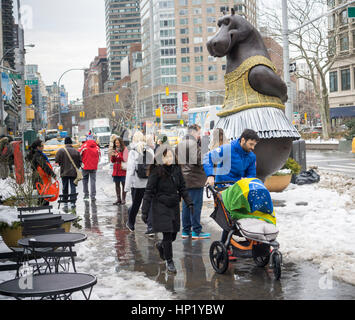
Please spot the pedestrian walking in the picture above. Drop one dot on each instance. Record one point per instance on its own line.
(140, 157)
(39, 162)
(188, 153)
(235, 160)
(67, 158)
(90, 156)
(165, 187)
(119, 159)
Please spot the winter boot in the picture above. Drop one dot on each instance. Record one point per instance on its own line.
(170, 266)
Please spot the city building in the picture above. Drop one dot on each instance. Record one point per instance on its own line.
(96, 75)
(123, 28)
(8, 36)
(56, 99)
(39, 96)
(341, 34)
(174, 37)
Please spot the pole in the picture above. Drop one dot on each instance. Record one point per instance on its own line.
(286, 58)
(21, 70)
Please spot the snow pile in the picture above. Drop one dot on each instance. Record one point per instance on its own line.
(321, 141)
(321, 231)
(97, 256)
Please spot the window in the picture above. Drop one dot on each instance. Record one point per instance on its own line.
(196, 2)
(199, 68)
(211, 10)
(198, 49)
(344, 42)
(183, 12)
(185, 78)
(185, 69)
(184, 40)
(212, 68)
(345, 79)
(182, 2)
(333, 81)
(185, 50)
(332, 46)
(184, 31)
(343, 17)
(331, 21)
(198, 40)
(185, 60)
(211, 29)
(197, 20)
(197, 30)
(197, 10)
(224, 67)
(211, 20)
(184, 21)
(199, 78)
(199, 59)
(212, 77)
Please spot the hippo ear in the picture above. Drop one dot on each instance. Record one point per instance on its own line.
(233, 11)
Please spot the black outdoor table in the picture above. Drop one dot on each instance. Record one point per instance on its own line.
(64, 240)
(53, 286)
(65, 217)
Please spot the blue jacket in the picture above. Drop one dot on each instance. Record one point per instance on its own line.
(233, 162)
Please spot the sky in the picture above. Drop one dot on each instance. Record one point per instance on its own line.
(66, 34)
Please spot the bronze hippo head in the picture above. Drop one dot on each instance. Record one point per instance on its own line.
(233, 30)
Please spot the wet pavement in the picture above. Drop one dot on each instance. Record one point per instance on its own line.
(195, 278)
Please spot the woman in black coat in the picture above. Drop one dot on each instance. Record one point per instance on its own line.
(164, 190)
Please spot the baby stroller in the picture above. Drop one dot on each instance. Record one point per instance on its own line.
(259, 243)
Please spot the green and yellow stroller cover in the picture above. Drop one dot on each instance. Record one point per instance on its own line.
(249, 198)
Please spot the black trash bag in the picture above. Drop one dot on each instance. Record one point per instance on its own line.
(307, 177)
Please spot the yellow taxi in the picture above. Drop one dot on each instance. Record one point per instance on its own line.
(53, 145)
(173, 137)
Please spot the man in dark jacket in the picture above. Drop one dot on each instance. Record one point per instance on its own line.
(67, 170)
(188, 153)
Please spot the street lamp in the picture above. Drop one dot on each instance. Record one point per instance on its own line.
(59, 106)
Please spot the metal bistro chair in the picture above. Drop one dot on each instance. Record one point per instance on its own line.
(71, 198)
(42, 221)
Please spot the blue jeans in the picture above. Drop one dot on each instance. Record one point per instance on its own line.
(66, 181)
(192, 221)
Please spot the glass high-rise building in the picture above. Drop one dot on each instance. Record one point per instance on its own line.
(123, 28)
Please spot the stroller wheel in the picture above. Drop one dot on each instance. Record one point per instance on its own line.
(219, 257)
(276, 265)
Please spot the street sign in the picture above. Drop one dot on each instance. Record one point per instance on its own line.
(351, 12)
(31, 82)
(15, 76)
(293, 67)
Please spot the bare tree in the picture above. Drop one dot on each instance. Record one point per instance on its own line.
(310, 44)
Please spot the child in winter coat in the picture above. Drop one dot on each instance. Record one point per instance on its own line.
(164, 190)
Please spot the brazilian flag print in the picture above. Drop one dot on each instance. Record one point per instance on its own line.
(249, 198)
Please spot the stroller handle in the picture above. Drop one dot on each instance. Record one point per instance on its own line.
(213, 189)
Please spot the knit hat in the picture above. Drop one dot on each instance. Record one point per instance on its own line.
(68, 140)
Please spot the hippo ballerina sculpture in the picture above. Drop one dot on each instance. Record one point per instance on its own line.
(255, 94)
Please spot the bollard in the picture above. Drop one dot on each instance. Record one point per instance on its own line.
(353, 146)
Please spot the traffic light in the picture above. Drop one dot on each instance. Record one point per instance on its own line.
(30, 114)
(113, 114)
(117, 98)
(82, 114)
(167, 91)
(28, 95)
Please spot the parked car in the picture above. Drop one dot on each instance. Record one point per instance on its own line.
(52, 146)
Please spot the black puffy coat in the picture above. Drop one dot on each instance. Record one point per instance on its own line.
(164, 194)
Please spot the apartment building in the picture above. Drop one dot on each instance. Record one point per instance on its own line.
(122, 29)
(174, 37)
(341, 33)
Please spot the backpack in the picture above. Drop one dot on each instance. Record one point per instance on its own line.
(144, 162)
